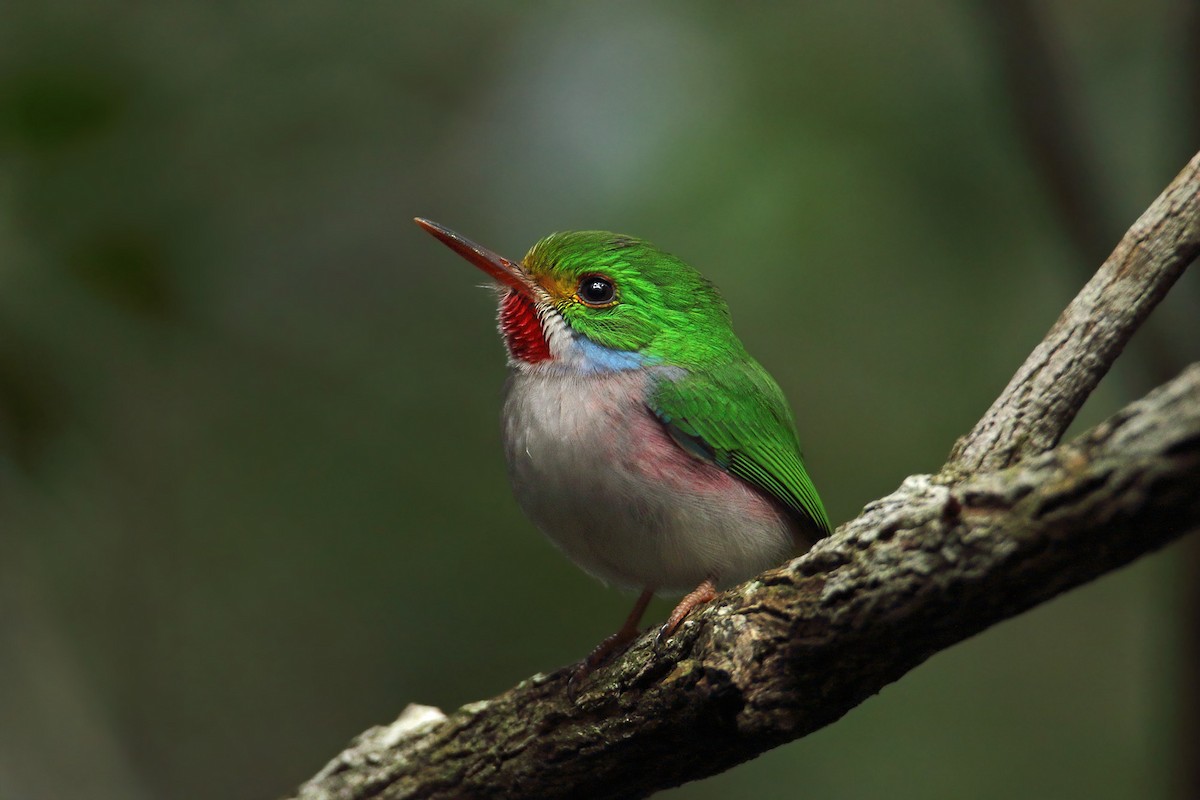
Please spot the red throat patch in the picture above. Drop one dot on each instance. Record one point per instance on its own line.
(522, 329)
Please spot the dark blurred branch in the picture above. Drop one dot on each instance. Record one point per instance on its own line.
(1189, 25)
(1050, 123)
(939, 560)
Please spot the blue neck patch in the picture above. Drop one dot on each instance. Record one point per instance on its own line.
(598, 358)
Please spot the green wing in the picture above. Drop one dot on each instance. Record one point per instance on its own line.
(736, 417)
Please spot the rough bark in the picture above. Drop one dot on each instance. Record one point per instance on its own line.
(937, 561)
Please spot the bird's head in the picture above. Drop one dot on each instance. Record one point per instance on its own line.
(594, 301)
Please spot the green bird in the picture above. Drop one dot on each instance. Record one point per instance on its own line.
(641, 437)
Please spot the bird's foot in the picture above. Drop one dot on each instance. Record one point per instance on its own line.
(698, 596)
(611, 646)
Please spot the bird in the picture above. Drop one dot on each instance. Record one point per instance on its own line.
(640, 436)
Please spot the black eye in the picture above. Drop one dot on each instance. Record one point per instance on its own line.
(596, 290)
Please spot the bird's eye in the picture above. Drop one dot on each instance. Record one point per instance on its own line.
(596, 290)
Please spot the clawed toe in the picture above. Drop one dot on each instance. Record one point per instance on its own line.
(700, 595)
(604, 652)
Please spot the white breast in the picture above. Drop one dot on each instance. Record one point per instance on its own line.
(597, 473)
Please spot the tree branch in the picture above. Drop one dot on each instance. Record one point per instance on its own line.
(937, 561)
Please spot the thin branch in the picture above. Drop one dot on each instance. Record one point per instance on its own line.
(1034, 410)
(937, 561)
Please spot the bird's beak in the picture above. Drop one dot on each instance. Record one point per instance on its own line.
(506, 272)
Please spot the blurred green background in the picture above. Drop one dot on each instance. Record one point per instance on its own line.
(252, 497)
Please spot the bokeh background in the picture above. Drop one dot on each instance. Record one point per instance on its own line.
(252, 498)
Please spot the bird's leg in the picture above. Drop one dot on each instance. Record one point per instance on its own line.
(616, 642)
(701, 594)
(624, 636)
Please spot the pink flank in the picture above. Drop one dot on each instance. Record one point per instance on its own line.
(653, 455)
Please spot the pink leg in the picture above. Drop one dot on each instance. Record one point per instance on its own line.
(614, 643)
(700, 595)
